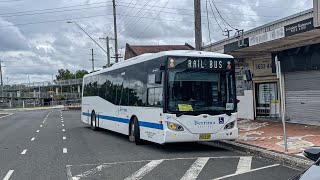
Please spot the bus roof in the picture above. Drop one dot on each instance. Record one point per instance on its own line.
(150, 56)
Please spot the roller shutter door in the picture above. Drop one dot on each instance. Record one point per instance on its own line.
(302, 90)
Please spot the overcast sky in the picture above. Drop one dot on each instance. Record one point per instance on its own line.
(36, 41)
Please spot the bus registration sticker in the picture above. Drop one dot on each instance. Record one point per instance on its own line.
(204, 136)
(185, 107)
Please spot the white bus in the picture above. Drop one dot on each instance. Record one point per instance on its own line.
(166, 97)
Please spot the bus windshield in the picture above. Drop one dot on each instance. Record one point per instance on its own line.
(202, 90)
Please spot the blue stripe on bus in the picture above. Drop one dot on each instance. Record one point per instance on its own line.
(127, 121)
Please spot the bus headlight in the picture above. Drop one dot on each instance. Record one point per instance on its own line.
(174, 126)
(229, 125)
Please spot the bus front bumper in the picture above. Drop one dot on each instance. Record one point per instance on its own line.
(185, 136)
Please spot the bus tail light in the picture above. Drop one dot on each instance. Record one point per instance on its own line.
(229, 125)
(174, 126)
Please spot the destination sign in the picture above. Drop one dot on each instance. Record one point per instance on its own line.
(195, 63)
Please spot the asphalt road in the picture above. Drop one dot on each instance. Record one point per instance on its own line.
(54, 144)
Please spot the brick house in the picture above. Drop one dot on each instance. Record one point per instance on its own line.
(136, 50)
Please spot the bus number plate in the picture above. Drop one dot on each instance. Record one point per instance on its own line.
(205, 136)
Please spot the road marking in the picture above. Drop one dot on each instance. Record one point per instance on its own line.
(32, 138)
(44, 121)
(64, 137)
(38, 131)
(144, 170)
(173, 159)
(63, 130)
(64, 150)
(62, 121)
(252, 170)
(40, 125)
(69, 174)
(6, 115)
(244, 164)
(8, 175)
(87, 173)
(24, 151)
(62, 124)
(195, 169)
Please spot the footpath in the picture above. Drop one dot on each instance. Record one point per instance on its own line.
(265, 139)
(269, 135)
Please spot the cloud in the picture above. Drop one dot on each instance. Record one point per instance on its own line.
(61, 45)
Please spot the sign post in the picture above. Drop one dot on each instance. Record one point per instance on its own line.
(280, 77)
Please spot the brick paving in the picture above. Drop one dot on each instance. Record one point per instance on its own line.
(269, 135)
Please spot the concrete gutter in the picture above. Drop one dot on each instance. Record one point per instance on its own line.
(281, 158)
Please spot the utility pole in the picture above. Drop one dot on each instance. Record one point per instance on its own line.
(115, 31)
(107, 39)
(1, 78)
(197, 24)
(92, 59)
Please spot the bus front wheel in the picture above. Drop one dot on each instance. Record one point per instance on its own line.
(93, 121)
(134, 134)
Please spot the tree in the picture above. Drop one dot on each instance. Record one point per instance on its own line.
(64, 74)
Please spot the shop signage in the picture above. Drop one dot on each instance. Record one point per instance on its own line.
(262, 67)
(267, 36)
(299, 27)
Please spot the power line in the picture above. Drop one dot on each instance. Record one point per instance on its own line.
(150, 23)
(57, 11)
(87, 17)
(63, 7)
(132, 23)
(221, 16)
(208, 21)
(138, 19)
(258, 6)
(215, 16)
(120, 18)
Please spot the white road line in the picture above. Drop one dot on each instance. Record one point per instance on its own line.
(244, 164)
(24, 151)
(144, 170)
(64, 150)
(62, 121)
(63, 130)
(6, 115)
(32, 139)
(69, 174)
(62, 124)
(40, 125)
(8, 175)
(252, 170)
(173, 159)
(64, 137)
(38, 131)
(195, 169)
(89, 172)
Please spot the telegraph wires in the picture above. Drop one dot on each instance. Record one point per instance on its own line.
(150, 23)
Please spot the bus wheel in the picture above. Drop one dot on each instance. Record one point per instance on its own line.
(93, 121)
(136, 131)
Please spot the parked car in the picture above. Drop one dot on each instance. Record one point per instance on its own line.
(312, 173)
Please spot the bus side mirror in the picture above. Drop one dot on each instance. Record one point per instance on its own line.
(312, 153)
(158, 77)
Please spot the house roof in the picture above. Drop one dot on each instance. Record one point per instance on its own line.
(138, 50)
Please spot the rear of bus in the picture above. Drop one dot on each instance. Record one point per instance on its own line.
(200, 99)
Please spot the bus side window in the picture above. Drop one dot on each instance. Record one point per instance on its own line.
(155, 96)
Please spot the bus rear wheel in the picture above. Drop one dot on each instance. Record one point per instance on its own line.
(93, 122)
(134, 134)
